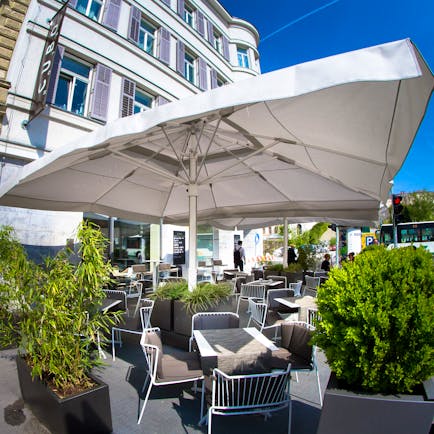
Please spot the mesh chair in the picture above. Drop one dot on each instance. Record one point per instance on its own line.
(250, 394)
(295, 337)
(251, 290)
(145, 321)
(312, 282)
(211, 321)
(278, 311)
(164, 370)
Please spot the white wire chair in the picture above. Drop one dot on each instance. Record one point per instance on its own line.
(312, 282)
(167, 370)
(250, 394)
(212, 321)
(251, 290)
(145, 320)
(134, 290)
(312, 316)
(296, 287)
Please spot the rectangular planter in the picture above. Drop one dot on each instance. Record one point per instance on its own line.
(85, 413)
(346, 412)
(162, 315)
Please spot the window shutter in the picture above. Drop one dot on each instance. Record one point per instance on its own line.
(211, 33)
(181, 8)
(111, 14)
(202, 74)
(161, 100)
(167, 2)
(180, 57)
(225, 47)
(200, 23)
(54, 78)
(135, 16)
(72, 3)
(101, 92)
(164, 54)
(127, 97)
(214, 83)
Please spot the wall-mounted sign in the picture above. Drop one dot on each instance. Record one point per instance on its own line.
(178, 247)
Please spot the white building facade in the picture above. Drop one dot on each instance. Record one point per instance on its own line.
(114, 58)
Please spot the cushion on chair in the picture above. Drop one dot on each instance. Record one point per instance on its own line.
(280, 358)
(296, 339)
(180, 366)
(211, 322)
(153, 338)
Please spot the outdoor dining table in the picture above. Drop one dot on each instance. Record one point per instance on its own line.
(300, 303)
(235, 351)
(269, 283)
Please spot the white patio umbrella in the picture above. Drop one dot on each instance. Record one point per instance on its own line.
(317, 140)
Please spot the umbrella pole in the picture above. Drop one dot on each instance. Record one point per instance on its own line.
(285, 241)
(192, 201)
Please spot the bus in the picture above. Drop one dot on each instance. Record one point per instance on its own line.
(409, 234)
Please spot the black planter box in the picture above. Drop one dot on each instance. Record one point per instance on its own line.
(162, 315)
(85, 413)
(347, 412)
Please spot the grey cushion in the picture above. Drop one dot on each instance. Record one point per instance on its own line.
(212, 322)
(296, 339)
(180, 367)
(153, 338)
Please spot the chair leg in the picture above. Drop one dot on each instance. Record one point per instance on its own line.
(113, 345)
(202, 400)
(319, 387)
(209, 421)
(148, 392)
(289, 416)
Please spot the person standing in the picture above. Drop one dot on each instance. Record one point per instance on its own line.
(292, 257)
(325, 265)
(239, 256)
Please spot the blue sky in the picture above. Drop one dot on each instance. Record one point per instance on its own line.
(297, 31)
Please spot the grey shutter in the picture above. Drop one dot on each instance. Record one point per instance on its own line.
(167, 2)
(101, 92)
(111, 14)
(161, 100)
(211, 33)
(214, 83)
(135, 17)
(181, 8)
(225, 47)
(164, 54)
(72, 3)
(127, 97)
(180, 57)
(54, 78)
(202, 74)
(200, 23)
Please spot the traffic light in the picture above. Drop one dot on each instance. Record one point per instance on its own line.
(398, 209)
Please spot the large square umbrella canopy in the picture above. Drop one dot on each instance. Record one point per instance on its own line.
(319, 140)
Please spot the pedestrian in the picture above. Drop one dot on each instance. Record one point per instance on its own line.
(239, 256)
(325, 265)
(292, 257)
(351, 256)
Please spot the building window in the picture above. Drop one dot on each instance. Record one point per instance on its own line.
(147, 37)
(72, 87)
(218, 43)
(142, 101)
(189, 15)
(90, 8)
(190, 68)
(243, 57)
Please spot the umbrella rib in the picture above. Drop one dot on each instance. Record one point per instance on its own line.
(174, 150)
(211, 140)
(149, 167)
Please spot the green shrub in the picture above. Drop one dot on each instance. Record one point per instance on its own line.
(293, 268)
(376, 325)
(170, 291)
(274, 267)
(205, 296)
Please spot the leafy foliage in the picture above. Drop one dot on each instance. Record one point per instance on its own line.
(376, 320)
(170, 291)
(53, 314)
(420, 206)
(274, 267)
(293, 268)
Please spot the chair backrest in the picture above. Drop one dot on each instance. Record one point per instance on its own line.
(146, 312)
(134, 289)
(217, 262)
(258, 312)
(254, 393)
(296, 287)
(201, 264)
(296, 336)
(272, 294)
(319, 273)
(117, 295)
(312, 316)
(312, 282)
(278, 279)
(214, 320)
(153, 350)
(252, 290)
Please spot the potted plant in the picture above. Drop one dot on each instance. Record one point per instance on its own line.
(52, 314)
(376, 330)
(272, 270)
(293, 272)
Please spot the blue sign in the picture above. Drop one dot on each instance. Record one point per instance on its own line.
(256, 238)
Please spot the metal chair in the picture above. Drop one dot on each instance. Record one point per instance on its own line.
(134, 290)
(250, 394)
(296, 287)
(212, 320)
(145, 320)
(278, 279)
(251, 290)
(312, 282)
(118, 295)
(312, 316)
(165, 370)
